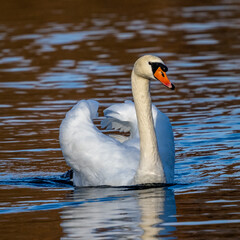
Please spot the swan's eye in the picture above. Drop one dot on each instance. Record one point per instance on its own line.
(163, 67)
(156, 65)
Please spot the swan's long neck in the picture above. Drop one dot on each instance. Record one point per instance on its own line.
(150, 166)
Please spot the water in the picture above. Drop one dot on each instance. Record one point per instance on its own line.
(54, 53)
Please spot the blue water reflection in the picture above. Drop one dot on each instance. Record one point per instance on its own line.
(117, 213)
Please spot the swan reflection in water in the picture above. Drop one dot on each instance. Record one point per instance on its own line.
(119, 213)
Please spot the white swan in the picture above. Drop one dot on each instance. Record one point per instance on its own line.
(146, 156)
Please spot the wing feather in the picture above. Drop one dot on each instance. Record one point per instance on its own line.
(94, 156)
(121, 117)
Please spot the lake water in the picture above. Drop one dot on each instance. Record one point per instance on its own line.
(54, 53)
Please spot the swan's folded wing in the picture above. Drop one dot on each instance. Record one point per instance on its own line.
(121, 117)
(165, 141)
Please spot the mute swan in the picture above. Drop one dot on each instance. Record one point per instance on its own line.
(146, 156)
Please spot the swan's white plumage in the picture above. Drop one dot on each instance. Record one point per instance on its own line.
(96, 159)
(99, 159)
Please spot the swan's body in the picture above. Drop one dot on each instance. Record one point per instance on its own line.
(146, 156)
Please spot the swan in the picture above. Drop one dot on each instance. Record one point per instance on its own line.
(147, 156)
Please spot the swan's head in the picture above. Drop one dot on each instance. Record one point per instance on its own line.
(152, 68)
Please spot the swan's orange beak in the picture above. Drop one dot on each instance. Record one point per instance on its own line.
(162, 77)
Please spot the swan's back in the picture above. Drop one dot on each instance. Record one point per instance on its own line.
(98, 159)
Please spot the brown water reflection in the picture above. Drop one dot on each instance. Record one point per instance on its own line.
(54, 53)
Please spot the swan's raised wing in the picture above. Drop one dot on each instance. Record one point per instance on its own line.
(95, 157)
(121, 117)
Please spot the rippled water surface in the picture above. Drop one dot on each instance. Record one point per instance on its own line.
(54, 53)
